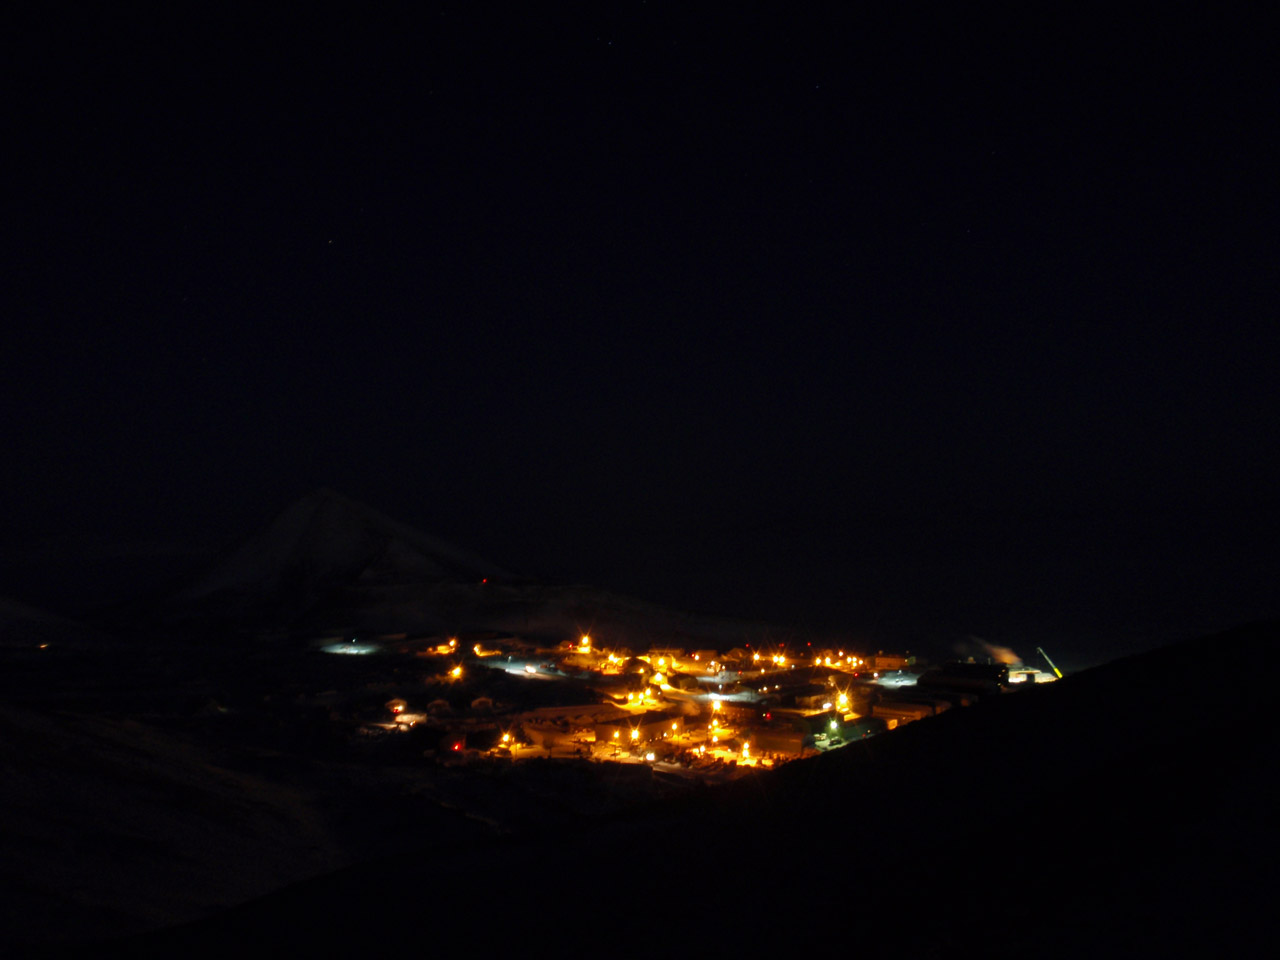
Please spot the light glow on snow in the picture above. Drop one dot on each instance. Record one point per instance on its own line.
(351, 647)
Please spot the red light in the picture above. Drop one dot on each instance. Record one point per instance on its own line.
(457, 746)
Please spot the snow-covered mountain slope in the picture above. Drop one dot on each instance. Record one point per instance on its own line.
(24, 627)
(319, 545)
(328, 564)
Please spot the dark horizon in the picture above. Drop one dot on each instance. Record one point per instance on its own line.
(938, 621)
(872, 323)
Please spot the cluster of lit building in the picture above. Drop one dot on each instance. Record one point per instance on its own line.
(695, 708)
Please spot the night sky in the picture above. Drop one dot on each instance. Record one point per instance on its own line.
(902, 325)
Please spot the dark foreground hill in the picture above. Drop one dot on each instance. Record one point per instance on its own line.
(1125, 811)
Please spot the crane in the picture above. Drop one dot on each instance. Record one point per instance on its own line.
(1040, 650)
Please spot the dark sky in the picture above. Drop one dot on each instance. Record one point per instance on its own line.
(895, 323)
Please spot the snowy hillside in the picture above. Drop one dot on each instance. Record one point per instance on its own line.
(320, 544)
(23, 627)
(329, 564)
